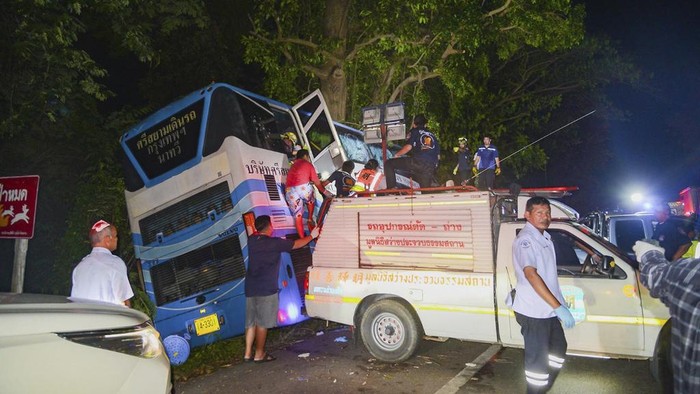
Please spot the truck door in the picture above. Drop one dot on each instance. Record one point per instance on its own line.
(318, 134)
(606, 305)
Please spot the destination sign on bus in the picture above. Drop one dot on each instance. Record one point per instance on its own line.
(169, 143)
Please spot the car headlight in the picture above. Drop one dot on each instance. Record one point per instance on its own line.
(142, 340)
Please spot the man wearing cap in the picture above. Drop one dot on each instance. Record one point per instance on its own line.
(487, 164)
(101, 275)
(425, 154)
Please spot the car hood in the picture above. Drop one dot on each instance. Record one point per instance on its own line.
(27, 314)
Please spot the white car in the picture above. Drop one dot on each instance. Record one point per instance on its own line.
(53, 344)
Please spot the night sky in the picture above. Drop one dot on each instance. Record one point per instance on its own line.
(650, 155)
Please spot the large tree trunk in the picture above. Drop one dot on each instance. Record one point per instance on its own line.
(334, 84)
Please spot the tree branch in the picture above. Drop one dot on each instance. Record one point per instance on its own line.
(358, 47)
(412, 79)
(499, 10)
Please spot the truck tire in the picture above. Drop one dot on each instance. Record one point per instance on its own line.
(661, 366)
(389, 331)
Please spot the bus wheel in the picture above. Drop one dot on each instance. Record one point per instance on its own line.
(661, 366)
(389, 331)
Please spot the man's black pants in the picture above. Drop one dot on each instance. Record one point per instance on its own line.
(545, 350)
(421, 171)
(486, 179)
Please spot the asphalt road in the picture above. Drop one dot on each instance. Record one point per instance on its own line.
(332, 362)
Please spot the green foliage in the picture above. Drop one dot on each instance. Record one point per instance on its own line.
(443, 58)
(51, 122)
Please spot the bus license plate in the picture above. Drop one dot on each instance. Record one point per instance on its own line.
(207, 324)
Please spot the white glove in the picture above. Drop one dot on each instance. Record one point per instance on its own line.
(641, 247)
(315, 232)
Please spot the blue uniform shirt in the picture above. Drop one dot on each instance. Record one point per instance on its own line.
(425, 146)
(487, 157)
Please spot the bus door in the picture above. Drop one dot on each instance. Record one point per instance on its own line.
(318, 134)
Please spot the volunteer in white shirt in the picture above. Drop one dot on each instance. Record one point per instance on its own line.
(539, 303)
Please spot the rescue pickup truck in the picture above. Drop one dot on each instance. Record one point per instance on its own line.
(399, 268)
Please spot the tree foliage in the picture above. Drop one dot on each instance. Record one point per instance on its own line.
(385, 50)
(497, 67)
(51, 122)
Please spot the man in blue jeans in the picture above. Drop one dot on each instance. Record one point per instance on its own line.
(539, 303)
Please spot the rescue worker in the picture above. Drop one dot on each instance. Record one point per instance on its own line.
(342, 179)
(463, 161)
(301, 179)
(487, 164)
(290, 144)
(676, 285)
(370, 178)
(538, 302)
(425, 154)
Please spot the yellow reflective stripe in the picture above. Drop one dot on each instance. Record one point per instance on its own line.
(337, 299)
(506, 312)
(436, 255)
(631, 320)
(377, 253)
(615, 319)
(410, 204)
(652, 321)
(452, 308)
(634, 320)
(452, 256)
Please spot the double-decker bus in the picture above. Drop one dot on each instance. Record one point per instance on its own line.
(197, 173)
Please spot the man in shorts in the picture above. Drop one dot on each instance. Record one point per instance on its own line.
(261, 285)
(299, 192)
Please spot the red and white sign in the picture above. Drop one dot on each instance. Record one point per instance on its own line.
(18, 196)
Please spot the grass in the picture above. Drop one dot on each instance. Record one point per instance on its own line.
(207, 359)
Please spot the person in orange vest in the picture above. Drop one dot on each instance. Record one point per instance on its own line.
(370, 178)
(299, 191)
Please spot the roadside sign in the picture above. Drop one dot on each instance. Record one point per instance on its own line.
(18, 197)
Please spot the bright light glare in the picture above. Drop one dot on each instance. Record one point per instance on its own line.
(293, 312)
(636, 197)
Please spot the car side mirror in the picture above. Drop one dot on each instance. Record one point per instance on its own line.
(606, 266)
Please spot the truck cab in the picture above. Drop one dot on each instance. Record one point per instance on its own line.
(622, 229)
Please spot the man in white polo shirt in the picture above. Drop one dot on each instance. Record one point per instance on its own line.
(101, 275)
(539, 303)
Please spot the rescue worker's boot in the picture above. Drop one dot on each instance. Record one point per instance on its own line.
(299, 224)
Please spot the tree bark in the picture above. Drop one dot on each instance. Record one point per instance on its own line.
(334, 85)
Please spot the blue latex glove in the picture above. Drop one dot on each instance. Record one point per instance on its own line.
(567, 319)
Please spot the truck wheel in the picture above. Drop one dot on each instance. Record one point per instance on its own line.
(661, 366)
(389, 331)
